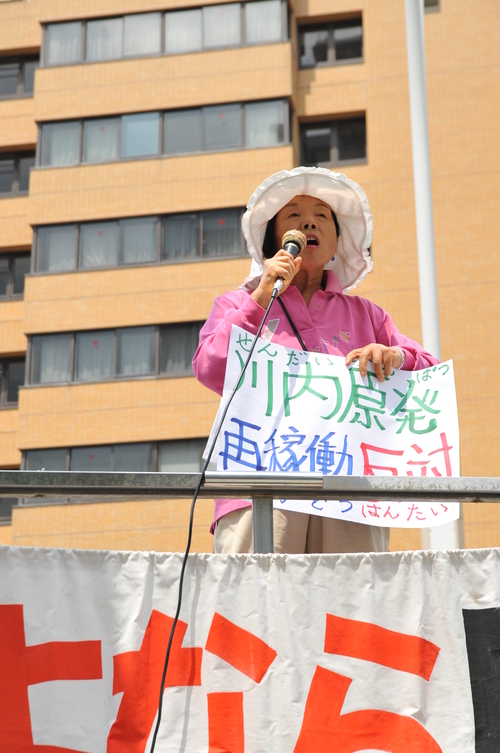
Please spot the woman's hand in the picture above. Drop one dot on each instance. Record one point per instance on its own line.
(384, 359)
(283, 266)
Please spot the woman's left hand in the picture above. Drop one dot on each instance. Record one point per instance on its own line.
(384, 359)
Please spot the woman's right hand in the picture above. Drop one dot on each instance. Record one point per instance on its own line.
(281, 266)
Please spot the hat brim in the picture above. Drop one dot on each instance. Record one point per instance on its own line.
(347, 199)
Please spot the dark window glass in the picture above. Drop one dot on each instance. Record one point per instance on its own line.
(46, 460)
(91, 458)
(181, 456)
(431, 3)
(94, 355)
(142, 34)
(316, 145)
(29, 75)
(221, 126)
(61, 143)
(183, 31)
(25, 165)
(178, 345)
(182, 131)
(101, 140)
(334, 142)
(51, 358)
(98, 244)
(263, 21)
(6, 505)
(9, 79)
(63, 43)
(222, 233)
(351, 139)
(138, 240)
(104, 39)
(348, 41)
(7, 175)
(136, 351)
(56, 248)
(134, 457)
(140, 134)
(21, 269)
(314, 47)
(328, 43)
(221, 25)
(15, 379)
(4, 275)
(181, 236)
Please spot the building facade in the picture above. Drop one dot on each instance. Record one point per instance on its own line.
(132, 133)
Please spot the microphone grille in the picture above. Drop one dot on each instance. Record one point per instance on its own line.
(295, 236)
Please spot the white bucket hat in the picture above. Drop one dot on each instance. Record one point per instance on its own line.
(347, 199)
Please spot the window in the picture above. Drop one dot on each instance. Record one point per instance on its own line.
(222, 25)
(17, 76)
(178, 343)
(175, 456)
(141, 134)
(183, 31)
(63, 43)
(139, 240)
(56, 248)
(104, 39)
(165, 350)
(52, 356)
(101, 140)
(209, 27)
(263, 21)
(330, 43)
(13, 269)
(15, 172)
(232, 126)
(431, 5)
(142, 34)
(61, 143)
(334, 142)
(6, 505)
(11, 379)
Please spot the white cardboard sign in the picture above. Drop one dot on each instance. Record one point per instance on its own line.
(299, 411)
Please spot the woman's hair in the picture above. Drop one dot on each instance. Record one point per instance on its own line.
(270, 247)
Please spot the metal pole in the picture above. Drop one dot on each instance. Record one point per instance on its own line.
(447, 536)
(262, 525)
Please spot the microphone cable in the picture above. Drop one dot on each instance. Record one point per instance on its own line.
(274, 295)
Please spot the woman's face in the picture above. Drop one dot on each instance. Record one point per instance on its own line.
(314, 218)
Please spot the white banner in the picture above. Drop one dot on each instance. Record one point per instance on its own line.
(288, 653)
(300, 411)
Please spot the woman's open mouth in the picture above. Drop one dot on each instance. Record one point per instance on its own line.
(312, 240)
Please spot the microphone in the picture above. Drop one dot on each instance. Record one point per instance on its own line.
(294, 241)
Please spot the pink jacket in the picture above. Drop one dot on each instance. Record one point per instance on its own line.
(332, 323)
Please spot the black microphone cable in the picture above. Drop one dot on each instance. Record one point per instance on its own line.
(274, 295)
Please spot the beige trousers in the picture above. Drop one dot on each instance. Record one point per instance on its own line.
(299, 533)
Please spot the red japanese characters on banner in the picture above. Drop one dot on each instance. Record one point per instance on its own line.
(137, 676)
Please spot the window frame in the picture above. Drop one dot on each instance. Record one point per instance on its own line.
(112, 445)
(39, 154)
(4, 381)
(155, 374)
(16, 157)
(330, 26)
(20, 61)
(159, 220)
(332, 124)
(11, 257)
(284, 36)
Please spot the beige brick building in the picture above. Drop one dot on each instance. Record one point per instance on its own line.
(125, 162)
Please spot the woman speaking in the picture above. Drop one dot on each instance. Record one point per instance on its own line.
(312, 312)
